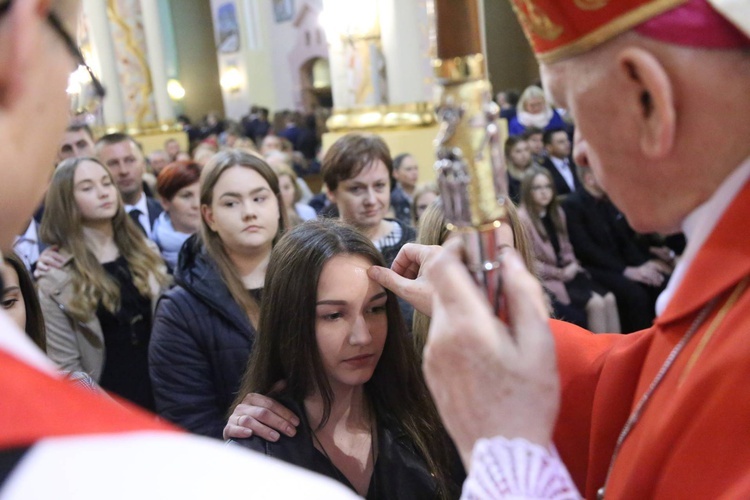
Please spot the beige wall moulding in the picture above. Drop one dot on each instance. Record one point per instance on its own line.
(421, 114)
(142, 129)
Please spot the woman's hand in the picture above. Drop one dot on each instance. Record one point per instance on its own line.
(570, 271)
(50, 258)
(261, 416)
(489, 378)
(405, 276)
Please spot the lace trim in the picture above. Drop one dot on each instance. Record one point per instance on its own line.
(516, 469)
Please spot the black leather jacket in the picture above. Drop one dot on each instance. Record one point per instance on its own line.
(400, 472)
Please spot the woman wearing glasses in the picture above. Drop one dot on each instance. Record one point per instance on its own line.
(556, 263)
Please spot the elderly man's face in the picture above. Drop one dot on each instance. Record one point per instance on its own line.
(604, 140)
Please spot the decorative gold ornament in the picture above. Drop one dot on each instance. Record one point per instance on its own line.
(413, 115)
(591, 4)
(536, 21)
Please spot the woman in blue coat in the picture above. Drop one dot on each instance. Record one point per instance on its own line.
(204, 328)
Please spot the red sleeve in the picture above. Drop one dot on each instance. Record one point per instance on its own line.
(591, 365)
(43, 406)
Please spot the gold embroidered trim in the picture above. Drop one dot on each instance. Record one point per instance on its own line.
(469, 67)
(534, 20)
(591, 4)
(715, 323)
(609, 30)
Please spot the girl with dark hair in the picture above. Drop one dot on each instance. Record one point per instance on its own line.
(177, 186)
(563, 277)
(367, 417)
(204, 328)
(98, 306)
(20, 300)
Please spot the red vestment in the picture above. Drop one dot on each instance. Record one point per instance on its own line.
(37, 406)
(693, 439)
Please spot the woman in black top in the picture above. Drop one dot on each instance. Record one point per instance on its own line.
(367, 418)
(98, 306)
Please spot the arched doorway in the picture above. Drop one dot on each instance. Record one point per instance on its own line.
(315, 79)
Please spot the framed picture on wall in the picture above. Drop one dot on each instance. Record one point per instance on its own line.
(283, 10)
(229, 31)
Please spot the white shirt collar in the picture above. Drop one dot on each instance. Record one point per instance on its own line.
(141, 205)
(699, 224)
(560, 163)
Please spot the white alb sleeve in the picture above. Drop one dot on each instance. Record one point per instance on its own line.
(517, 469)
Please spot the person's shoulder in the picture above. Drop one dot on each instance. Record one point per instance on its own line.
(153, 205)
(407, 231)
(547, 163)
(576, 199)
(56, 280)
(305, 211)
(398, 194)
(523, 213)
(178, 297)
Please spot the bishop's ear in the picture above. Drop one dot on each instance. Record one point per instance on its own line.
(650, 96)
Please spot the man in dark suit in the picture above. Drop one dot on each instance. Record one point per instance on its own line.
(605, 245)
(558, 147)
(124, 158)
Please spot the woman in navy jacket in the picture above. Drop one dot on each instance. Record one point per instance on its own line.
(204, 328)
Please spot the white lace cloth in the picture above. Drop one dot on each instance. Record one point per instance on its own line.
(516, 469)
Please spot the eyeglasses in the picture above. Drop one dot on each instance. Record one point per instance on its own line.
(542, 187)
(85, 91)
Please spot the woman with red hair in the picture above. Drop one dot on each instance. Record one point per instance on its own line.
(177, 186)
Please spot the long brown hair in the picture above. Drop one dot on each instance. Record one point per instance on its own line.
(527, 201)
(433, 231)
(62, 226)
(215, 248)
(286, 346)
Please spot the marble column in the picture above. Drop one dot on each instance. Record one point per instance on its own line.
(405, 34)
(152, 27)
(105, 61)
(358, 67)
(131, 59)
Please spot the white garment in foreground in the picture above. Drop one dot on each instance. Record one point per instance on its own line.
(148, 464)
(159, 465)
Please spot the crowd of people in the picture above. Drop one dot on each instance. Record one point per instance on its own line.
(338, 330)
(158, 274)
(598, 272)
